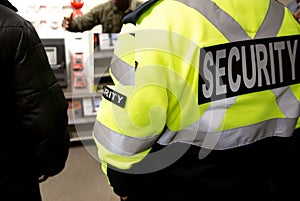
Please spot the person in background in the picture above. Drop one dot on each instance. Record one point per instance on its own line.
(34, 138)
(293, 6)
(204, 103)
(295, 9)
(297, 15)
(108, 14)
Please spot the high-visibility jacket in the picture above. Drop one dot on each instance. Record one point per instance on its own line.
(298, 124)
(212, 73)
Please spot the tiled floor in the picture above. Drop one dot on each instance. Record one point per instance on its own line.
(81, 180)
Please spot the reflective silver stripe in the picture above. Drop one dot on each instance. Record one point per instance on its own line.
(214, 114)
(201, 133)
(272, 22)
(287, 102)
(121, 144)
(230, 138)
(220, 19)
(212, 119)
(230, 28)
(123, 72)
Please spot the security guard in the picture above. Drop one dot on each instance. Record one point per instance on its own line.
(205, 101)
(108, 14)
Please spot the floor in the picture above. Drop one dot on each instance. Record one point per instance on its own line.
(81, 180)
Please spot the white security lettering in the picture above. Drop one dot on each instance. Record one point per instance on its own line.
(234, 85)
(208, 62)
(272, 63)
(220, 71)
(279, 46)
(292, 54)
(110, 94)
(249, 83)
(113, 95)
(120, 98)
(106, 92)
(262, 60)
(251, 66)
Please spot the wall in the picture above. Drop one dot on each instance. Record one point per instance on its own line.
(47, 16)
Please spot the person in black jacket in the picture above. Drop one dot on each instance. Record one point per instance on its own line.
(34, 138)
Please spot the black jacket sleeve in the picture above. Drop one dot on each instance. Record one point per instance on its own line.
(40, 102)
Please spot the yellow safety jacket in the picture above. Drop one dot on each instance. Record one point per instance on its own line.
(212, 73)
(298, 124)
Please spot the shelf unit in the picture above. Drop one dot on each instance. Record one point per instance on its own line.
(82, 112)
(102, 59)
(80, 123)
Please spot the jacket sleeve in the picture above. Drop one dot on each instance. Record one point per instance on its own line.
(125, 133)
(87, 21)
(41, 105)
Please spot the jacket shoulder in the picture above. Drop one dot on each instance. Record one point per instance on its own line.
(138, 3)
(134, 15)
(16, 30)
(102, 6)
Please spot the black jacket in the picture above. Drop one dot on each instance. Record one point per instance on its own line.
(34, 139)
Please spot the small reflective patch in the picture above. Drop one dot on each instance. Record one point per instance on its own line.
(114, 97)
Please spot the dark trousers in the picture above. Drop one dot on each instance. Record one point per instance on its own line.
(267, 170)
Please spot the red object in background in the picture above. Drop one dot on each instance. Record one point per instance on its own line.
(79, 79)
(77, 5)
(78, 61)
(96, 41)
